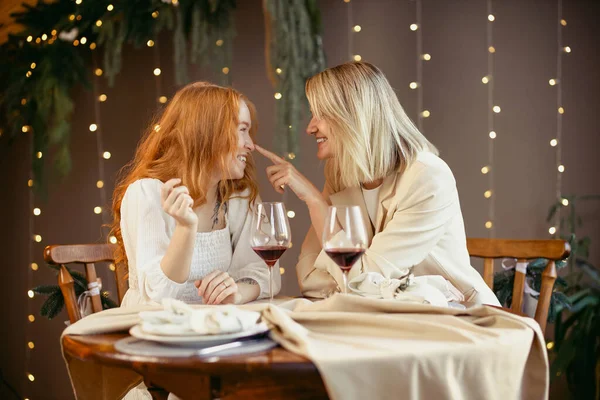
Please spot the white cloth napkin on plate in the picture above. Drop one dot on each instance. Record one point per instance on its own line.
(432, 289)
(178, 318)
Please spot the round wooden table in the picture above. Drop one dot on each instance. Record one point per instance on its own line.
(277, 373)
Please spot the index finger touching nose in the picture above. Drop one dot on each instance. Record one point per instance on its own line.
(271, 156)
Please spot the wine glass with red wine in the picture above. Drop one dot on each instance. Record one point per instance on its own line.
(271, 235)
(344, 237)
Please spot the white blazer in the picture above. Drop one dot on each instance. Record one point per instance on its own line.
(419, 224)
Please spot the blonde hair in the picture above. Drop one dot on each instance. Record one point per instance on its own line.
(196, 133)
(373, 135)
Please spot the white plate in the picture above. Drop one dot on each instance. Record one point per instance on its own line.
(190, 340)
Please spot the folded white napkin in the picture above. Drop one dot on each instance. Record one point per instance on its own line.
(432, 289)
(178, 318)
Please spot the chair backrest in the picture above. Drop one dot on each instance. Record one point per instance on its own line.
(522, 250)
(87, 255)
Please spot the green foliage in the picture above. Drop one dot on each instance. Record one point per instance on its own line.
(39, 98)
(295, 49)
(55, 302)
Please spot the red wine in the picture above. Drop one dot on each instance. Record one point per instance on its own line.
(270, 254)
(345, 258)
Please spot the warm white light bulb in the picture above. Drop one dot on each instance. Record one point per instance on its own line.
(561, 110)
(97, 210)
(106, 155)
(491, 17)
(102, 98)
(225, 70)
(37, 238)
(30, 294)
(565, 202)
(110, 7)
(162, 99)
(553, 142)
(357, 28)
(425, 113)
(281, 270)
(552, 82)
(492, 135)
(150, 43)
(414, 27)
(277, 96)
(561, 168)
(357, 57)
(488, 224)
(485, 169)
(413, 85)
(37, 211)
(100, 184)
(157, 71)
(487, 194)
(552, 230)
(567, 49)
(93, 128)
(34, 266)
(113, 240)
(291, 214)
(496, 109)
(485, 79)
(426, 56)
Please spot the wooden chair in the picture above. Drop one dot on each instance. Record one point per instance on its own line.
(86, 254)
(522, 250)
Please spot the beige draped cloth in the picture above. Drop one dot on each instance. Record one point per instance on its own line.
(372, 349)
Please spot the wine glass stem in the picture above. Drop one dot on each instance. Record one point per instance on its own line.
(270, 283)
(345, 274)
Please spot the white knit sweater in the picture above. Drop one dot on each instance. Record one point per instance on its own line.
(147, 232)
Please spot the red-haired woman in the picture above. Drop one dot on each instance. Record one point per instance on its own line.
(182, 212)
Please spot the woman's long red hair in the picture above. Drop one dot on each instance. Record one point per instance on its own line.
(196, 134)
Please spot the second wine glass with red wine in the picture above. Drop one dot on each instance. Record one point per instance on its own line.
(271, 235)
(344, 237)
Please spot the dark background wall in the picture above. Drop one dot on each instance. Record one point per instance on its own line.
(453, 33)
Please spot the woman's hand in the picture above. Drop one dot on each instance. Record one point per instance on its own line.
(218, 288)
(177, 202)
(282, 174)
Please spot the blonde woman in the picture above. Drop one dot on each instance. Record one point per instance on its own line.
(182, 209)
(376, 158)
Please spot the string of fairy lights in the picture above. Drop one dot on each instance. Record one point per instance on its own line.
(492, 110)
(421, 58)
(556, 141)
(33, 267)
